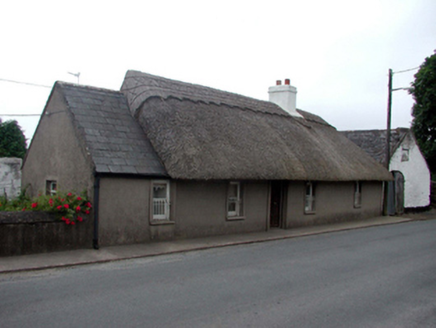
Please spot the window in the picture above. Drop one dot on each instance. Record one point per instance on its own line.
(51, 187)
(161, 200)
(404, 154)
(357, 194)
(309, 204)
(234, 200)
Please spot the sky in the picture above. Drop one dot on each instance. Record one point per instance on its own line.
(336, 53)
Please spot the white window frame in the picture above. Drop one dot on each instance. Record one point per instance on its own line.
(309, 198)
(237, 213)
(357, 194)
(51, 187)
(160, 203)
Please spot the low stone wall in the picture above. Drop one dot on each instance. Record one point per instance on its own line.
(39, 232)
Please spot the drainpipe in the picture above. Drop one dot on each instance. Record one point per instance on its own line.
(96, 203)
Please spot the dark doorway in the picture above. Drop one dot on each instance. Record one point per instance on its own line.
(276, 207)
(396, 194)
(399, 192)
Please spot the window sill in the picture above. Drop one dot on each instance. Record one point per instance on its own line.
(235, 218)
(161, 222)
(309, 213)
(357, 206)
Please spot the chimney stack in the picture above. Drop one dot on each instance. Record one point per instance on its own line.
(285, 96)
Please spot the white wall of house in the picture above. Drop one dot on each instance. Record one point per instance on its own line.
(10, 177)
(409, 160)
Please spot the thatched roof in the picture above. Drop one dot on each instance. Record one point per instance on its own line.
(113, 138)
(203, 133)
(373, 142)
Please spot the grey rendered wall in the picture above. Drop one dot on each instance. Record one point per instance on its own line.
(334, 203)
(197, 209)
(200, 208)
(124, 211)
(56, 153)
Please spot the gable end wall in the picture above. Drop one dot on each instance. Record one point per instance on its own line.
(56, 153)
(415, 171)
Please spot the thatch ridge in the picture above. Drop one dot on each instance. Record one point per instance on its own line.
(312, 117)
(139, 87)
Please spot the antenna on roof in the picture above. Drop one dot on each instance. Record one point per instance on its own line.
(76, 75)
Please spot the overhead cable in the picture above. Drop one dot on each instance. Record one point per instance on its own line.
(27, 83)
(20, 114)
(407, 70)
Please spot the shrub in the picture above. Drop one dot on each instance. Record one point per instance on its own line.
(69, 207)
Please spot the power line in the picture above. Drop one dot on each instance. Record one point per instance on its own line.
(20, 114)
(26, 83)
(406, 70)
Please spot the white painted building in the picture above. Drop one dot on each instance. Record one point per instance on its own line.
(408, 159)
(407, 163)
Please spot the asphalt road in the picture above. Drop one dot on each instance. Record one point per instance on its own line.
(374, 277)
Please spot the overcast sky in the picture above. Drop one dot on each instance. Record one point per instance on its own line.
(337, 53)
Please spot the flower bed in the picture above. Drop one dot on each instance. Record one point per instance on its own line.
(68, 207)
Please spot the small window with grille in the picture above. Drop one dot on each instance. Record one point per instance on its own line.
(234, 200)
(357, 194)
(309, 204)
(161, 200)
(51, 187)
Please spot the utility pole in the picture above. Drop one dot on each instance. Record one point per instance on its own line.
(388, 130)
(388, 144)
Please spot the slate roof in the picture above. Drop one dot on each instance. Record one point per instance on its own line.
(203, 133)
(114, 139)
(373, 142)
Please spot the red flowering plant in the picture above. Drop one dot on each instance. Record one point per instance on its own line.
(69, 207)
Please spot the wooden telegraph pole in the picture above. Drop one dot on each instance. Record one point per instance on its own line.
(388, 130)
(388, 143)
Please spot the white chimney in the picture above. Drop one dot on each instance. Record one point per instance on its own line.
(285, 96)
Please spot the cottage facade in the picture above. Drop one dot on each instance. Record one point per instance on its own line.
(165, 159)
(408, 165)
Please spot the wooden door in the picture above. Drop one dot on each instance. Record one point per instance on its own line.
(399, 192)
(276, 204)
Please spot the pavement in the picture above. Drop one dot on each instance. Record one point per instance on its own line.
(116, 253)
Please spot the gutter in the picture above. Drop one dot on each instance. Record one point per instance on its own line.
(96, 205)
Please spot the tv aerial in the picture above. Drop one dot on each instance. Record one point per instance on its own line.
(76, 75)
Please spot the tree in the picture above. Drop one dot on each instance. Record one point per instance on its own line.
(12, 140)
(423, 91)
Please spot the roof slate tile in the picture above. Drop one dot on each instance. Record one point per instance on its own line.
(118, 161)
(102, 168)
